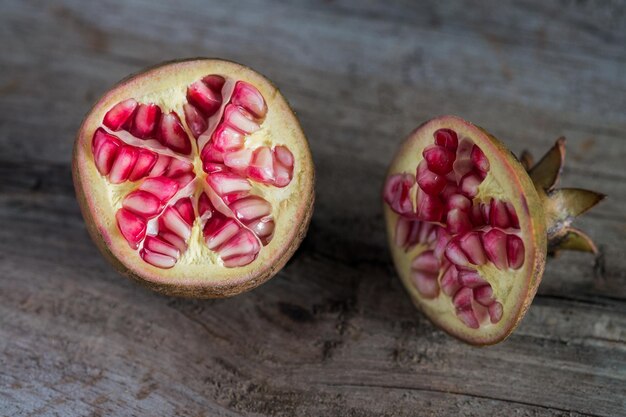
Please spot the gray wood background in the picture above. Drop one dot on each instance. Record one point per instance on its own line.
(334, 334)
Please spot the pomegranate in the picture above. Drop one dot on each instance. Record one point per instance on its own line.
(195, 178)
(469, 227)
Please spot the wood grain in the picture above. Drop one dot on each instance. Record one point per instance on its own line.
(333, 334)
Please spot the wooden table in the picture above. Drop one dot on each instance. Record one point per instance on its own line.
(334, 334)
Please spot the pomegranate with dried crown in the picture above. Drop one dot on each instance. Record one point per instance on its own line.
(469, 226)
(195, 178)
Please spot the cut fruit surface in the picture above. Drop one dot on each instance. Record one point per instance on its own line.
(195, 178)
(469, 228)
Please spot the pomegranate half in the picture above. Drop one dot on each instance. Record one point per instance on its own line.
(469, 226)
(195, 178)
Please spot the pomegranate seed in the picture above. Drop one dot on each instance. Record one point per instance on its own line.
(479, 160)
(226, 182)
(515, 251)
(243, 243)
(283, 166)
(240, 119)
(498, 214)
(105, 148)
(120, 115)
(426, 262)
(248, 97)
(458, 222)
(204, 205)
(512, 215)
(162, 187)
(469, 185)
(156, 245)
(458, 201)
(471, 279)
(397, 193)
(494, 242)
(495, 312)
(157, 259)
(145, 162)
(160, 166)
(196, 121)
(428, 181)
(185, 209)
(251, 208)
(284, 156)
(146, 119)
(484, 295)
(476, 215)
(429, 208)
(463, 298)
(123, 164)
(455, 254)
(262, 166)
(175, 223)
(227, 139)
(173, 135)
(443, 238)
(214, 82)
(143, 203)
(473, 248)
(173, 240)
(426, 283)
(263, 228)
(439, 159)
(206, 100)
(238, 160)
(178, 166)
(468, 317)
(446, 138)
(219, 230)
(449, 282)
(184, 179)
(132, 227)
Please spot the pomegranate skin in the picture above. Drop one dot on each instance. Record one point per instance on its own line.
(540, 213)
(236, 283)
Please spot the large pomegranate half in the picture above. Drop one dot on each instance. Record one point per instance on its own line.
(195, 178)
(469, 228)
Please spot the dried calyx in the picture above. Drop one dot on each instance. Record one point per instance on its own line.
(469, 231)
(200, 173)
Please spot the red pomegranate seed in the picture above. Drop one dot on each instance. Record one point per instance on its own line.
(162, 187)
(479, 160)
(120, 115)
(458, 201)
(204, 205)
(473, 248)
(471, 279)
(240, 119)
(248, 97)
(227, 139)
(145, 162)
(455, 254)
(132, 227)
(449, 282)
(428, 181)
(426, 283)
(495, 312)
(173, 135)
(146, 119)
(429, 208)
(284, 156)
(283, 166)
(439, 159)
(206, 100)
(179, 166)
(251, 208)
(123, 164)
(512, 215)
(160, 167)
(449, 190)
(498, 214)
(218, 230)
(226, 183)
(397, 193)
(469, 184)
(495, 242)
(463, 298)
(262, 166)
(175, 223)
(426, 262)
(476, 215)
(185, 209)
(157, 245)
(263, 228)
(446, 138)
(105, 148)
(142, 203)
(468, 317)
(157, 259)
(458, 222)
(443, 238)
(484, 295)
(214, 82)
(515, 251)
(238, 160)
(243, 244)
(196, 121)
(173, 240)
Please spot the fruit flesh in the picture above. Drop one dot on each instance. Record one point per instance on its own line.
(110, 189)
(470, 252)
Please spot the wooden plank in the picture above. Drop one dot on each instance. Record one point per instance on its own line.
(334, 334)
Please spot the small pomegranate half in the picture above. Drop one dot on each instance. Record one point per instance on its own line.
(195, 178)
(470, 226)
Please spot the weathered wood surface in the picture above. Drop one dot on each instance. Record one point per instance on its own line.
(333, 334)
